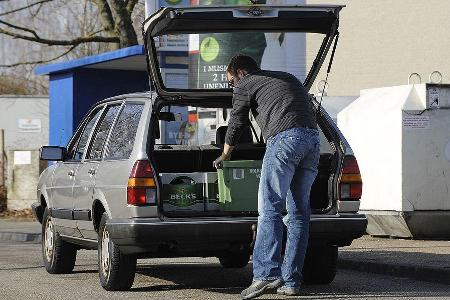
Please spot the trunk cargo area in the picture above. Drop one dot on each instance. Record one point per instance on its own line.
(189, 187)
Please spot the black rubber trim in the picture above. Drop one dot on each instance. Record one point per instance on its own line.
(82, 215)
(70, 214)
(37, 210)
(138, 234)
(61, 213)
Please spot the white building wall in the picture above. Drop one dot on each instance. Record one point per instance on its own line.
(24, 120)
(382, 42)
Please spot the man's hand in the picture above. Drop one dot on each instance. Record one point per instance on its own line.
(218, 163)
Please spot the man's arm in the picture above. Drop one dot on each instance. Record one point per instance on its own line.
(238, 121)
(238, 117)
(226, 155)
(227, 150)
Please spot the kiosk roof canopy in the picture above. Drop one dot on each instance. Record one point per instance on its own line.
(131, 58)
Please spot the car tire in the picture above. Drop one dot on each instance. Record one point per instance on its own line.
(320, 264)
(116, 270)
(59, 256)
(234, 260)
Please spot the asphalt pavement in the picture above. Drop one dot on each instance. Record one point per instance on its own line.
(22, 276)
(414, 259)
(20, 230)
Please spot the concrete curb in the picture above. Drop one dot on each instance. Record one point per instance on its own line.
(414, 272)
(20, 237)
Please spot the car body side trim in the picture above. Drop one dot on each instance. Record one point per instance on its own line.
(70, 214)
(61, 213)
(82, 215)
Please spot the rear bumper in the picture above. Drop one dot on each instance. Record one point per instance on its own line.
(212, 235)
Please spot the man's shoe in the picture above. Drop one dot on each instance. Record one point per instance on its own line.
(288, 291)
(258, 287)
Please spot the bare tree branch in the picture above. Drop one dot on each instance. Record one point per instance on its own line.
(123, 24)
(20, 28)
(94, 33)
(35, 13)
(24, 7)
(106, 17)
(36, 38)
(130, 4)
(39, 61)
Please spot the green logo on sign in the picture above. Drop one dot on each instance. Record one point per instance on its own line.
(209, 49)
(173, 2)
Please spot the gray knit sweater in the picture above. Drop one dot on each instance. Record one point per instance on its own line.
(278, 101)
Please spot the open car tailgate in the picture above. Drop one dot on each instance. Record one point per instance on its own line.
(322, 19)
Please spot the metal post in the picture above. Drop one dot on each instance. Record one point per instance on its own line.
(2, 159)
(2, 170)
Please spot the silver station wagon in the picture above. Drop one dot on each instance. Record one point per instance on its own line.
(136, 180)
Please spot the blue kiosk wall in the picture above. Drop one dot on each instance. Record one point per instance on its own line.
(74, 88)
(72, 95)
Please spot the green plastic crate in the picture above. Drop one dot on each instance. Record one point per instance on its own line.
(238, 185)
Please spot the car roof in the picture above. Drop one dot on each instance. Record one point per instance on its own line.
(146, 95)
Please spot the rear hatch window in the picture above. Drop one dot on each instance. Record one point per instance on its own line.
(295, 39)
(204, 64)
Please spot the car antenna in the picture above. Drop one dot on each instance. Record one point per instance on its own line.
(328, 72)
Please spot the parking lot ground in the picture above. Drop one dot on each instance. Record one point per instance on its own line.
(20, 230)
(22, 276)
(415, 259)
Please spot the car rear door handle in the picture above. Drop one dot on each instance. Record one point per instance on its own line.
(71, 173)
(91, 172)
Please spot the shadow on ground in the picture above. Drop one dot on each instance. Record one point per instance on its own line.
(213, 278)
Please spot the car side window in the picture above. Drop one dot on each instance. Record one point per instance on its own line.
(101, 132)
(124, 132)
(77, 151)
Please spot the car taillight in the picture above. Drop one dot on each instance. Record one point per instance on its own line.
(141, 188)
(350, 186)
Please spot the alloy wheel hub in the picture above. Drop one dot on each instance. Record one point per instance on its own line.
(48, 240)
(105, 253)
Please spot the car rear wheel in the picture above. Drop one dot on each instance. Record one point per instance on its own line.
(320, 264)
(59, 256)
(234, 260)
(116, 270)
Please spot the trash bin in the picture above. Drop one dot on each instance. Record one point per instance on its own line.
(238, 185)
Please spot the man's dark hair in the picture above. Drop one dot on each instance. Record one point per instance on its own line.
(242, 62)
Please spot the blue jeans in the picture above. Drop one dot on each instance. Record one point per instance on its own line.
(288, 172)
